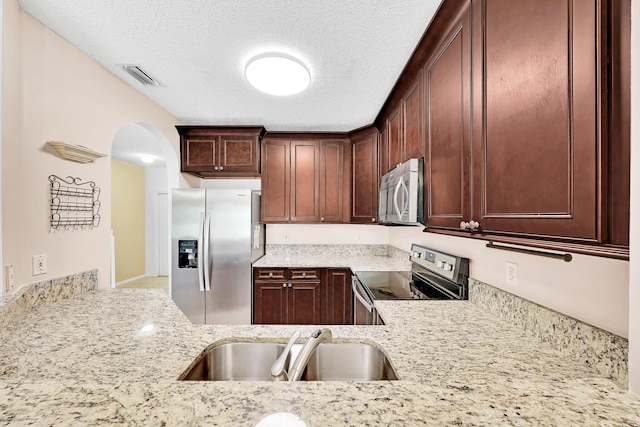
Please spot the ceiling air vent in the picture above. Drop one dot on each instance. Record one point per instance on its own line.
(142, 76)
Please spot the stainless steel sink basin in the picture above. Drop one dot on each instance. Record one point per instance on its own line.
(348, 362)
(251, 361)
(238, 361)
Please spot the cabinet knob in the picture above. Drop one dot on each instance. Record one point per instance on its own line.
(290, 285)
(271, 274)
(373, 220)
(321, 218)
(304, 274)
(471, 225)
(221, 167)
(284, 285)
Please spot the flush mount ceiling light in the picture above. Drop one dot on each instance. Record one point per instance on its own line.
(277, 74)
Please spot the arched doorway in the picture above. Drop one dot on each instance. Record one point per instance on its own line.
(144, 169)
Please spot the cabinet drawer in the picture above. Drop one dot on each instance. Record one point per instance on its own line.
(305, 274)
(270, 274)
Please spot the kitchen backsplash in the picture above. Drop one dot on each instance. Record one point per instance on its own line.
(13, 308)
(347, 250)
(601, 350)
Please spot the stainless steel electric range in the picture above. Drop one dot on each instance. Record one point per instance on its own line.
(434, 275)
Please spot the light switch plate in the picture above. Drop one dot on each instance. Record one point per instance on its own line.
(39, 264)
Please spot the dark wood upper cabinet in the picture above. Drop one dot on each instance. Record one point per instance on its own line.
(364, 176)
(383, 151)
(447, 91)
(526, 122)
(412, 112)
(276, 181)
(396, 144)
(216, 151)
(305, 179)
(334, 156)
(537, 143)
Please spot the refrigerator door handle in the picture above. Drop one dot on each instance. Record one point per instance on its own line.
(201, 254)
(207, 257)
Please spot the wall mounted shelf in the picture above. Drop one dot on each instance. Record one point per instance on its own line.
(76, 153)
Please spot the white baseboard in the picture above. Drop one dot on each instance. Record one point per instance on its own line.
(133, 279)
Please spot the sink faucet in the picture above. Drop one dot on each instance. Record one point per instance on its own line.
(307, 350)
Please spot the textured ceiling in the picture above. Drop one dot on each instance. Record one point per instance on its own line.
(354, 49)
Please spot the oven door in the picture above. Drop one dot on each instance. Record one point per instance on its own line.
(363, 311)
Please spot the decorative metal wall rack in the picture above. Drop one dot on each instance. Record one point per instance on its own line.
(74, 204)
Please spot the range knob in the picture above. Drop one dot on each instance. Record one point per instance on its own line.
(447, 267)
(440, 264)
(417, 254)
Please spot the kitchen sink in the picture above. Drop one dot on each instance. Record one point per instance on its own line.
(251, 361)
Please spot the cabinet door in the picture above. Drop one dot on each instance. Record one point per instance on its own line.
(305, 181)
(276, 181)
(303, 305)
(536, 162)
(199, 153)
(412, 112)
(447, 91)
(339, 297)
(383, 152)
(270, 302)
(239, 153)
(364, 190)
(331, 194)
(396, 148)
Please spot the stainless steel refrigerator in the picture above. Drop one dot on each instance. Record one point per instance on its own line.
(216, 236)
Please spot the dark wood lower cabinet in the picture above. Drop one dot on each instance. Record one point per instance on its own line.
(299, 296)
(269, 302)
(338, 297)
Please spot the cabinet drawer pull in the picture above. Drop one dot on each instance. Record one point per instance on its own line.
(271, 274)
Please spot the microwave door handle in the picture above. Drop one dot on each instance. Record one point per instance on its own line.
(405, 192)
(207, 260)
(359, 297)
(395, 198)
(201, 256)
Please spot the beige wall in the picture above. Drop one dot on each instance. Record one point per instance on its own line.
(128, 219)
(52, 91)
(594, 290)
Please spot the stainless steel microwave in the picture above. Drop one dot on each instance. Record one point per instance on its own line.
(401, 195)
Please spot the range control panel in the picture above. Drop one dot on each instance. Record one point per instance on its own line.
(450, 266)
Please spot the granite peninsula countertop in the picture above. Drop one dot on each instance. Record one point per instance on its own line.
(87, 361)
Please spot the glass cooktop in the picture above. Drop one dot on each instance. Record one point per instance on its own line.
(387, 284)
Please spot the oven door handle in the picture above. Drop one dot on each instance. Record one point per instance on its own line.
(359, 297)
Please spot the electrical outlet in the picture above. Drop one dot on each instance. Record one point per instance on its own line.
(8, 277)
(511, 274)
(39, 264)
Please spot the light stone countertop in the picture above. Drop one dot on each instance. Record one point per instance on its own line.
(85, 361)
(354, 262)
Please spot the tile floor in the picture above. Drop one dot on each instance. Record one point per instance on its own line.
(158, 282)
